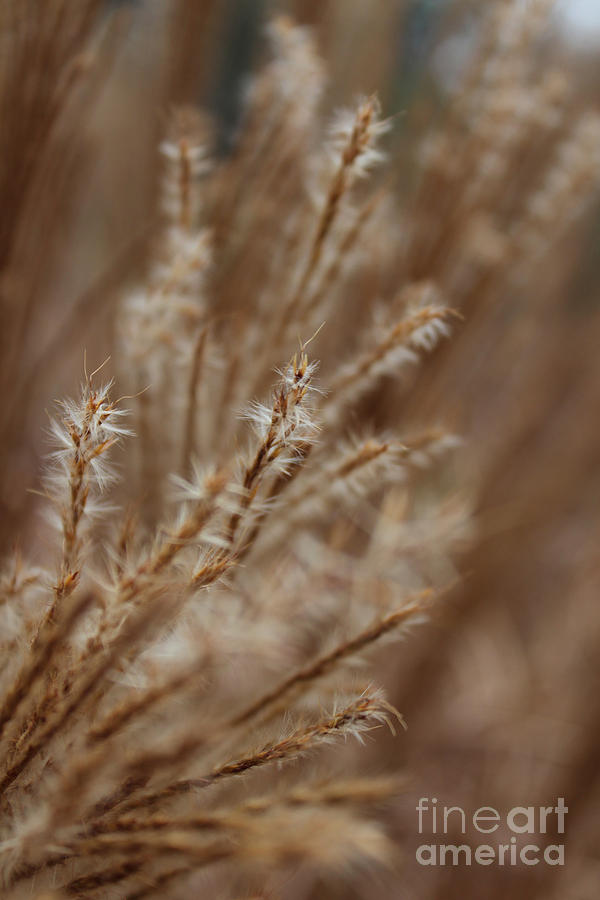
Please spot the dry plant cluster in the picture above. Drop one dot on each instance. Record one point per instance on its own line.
(181, 658)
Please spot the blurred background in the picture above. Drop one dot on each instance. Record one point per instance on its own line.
(501, 691)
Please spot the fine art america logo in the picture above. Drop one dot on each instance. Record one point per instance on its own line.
(516, 838)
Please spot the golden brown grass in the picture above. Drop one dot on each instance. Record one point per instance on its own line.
(230, 543)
